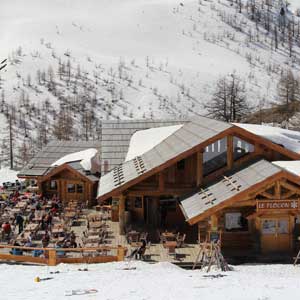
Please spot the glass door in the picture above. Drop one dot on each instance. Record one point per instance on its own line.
(275, 235)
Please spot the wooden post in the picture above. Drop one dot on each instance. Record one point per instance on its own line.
(122, 214)
(120, 253)
(213, 222)
(161, 181)
(52, 257)
(277, 190)
(199, 168)
(229, 152)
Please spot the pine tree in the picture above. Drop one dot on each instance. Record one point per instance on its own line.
(63, 127)
(288, 92)
(229, 102)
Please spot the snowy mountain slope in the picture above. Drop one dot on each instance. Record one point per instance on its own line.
(128, 59)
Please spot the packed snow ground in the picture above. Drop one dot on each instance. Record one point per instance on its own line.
(150, 281)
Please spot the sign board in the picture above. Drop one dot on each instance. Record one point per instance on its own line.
(214, 236)
(277, 204)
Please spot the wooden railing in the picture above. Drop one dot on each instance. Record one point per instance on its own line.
(54, 256)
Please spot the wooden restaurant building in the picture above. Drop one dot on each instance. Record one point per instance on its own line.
(214, 180)
(58, 170)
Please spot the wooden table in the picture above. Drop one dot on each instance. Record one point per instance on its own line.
(169, 236)
(70, 215)
(91, 245)
(170, 245)
(93, 239)
(57, 230)
(21, 204)
(31, 227)
(133, 236)
(95, 224)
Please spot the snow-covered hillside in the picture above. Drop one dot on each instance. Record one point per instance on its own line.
(102, 59)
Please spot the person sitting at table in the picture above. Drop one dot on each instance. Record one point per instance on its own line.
(48, 220)
(6, 230)
(15, 251)
(19, 221)
(45, 239)
(60, 245)
(28, 242)
(139, 252)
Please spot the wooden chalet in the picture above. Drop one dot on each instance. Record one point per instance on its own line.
(215, 181)
(69, 181)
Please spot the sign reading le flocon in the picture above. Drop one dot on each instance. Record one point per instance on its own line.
(277, 204)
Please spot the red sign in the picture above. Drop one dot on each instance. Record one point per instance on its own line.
(277, 204)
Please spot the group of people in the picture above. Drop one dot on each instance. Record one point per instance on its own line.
(14, 227)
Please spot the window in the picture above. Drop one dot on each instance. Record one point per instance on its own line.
(71, 188)
(138, 202)
(169, 204)
(235, 222)
(79, 188)
(268, 227)
(181, 165)
(53, 185)
(215, 156)
(241, 148)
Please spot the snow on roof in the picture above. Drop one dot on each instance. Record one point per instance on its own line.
(287, 138)
(85, 157)
(290, 166)
(144, 140)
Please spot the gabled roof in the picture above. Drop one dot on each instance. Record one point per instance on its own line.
(232, 185)
(72, 166)
(116, 135)
(40, 164)
(193, 133)
(289, 139)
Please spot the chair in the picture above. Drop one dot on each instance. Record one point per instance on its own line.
(180, 240)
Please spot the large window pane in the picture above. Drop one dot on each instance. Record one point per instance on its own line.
(215, 156)
(241, 148)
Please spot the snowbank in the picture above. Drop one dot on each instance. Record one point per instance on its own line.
(8, 175)
(137, 280)
(288, 138)
(86, 157)
(144, 140)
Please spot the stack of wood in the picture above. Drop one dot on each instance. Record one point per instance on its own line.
(210, 254)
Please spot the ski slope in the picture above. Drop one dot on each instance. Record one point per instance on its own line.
(137, 59)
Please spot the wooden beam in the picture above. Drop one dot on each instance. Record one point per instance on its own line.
(122, 214)
(290, 187)
(251, 202)
(261, 190)
(229, 152)
(161, 181)
(277, 190)
(214, 222)
(199, 168)
(288, 194)
(267, 195)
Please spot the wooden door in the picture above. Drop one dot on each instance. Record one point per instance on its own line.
(275, 234)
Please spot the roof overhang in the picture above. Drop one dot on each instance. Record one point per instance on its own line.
(61, 168)
(228, 202)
